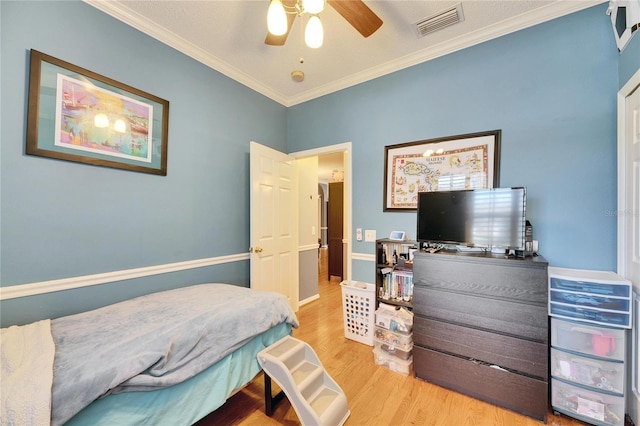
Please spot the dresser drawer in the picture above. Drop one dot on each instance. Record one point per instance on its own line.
(517, 319)
(510, 279)
(597, 374)
(591, 340)
(505, 351)
(519, 393)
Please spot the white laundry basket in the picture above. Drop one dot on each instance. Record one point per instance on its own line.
(358, 311)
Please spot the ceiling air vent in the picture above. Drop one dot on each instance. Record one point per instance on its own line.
(441, 20)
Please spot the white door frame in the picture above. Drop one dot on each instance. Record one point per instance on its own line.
(625, 91)
(348, 184)
(626, 207)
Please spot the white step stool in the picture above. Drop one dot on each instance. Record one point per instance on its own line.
(295, 367)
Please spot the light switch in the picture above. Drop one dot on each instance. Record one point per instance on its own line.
(370, 235)
(359, 234)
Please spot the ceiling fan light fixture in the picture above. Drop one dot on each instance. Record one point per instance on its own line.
(313, 6)
(276, 18)
(355, 12)
(314, 33)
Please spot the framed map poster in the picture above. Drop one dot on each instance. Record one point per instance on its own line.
(470, 161)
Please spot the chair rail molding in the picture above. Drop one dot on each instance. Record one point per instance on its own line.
(23, 290)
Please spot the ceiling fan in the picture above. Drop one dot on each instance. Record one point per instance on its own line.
(358, 14)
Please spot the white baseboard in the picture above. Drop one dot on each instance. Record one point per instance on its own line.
(308, 300)
(308, 247)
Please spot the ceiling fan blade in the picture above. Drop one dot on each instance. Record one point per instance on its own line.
(274, 40)
(358, 15)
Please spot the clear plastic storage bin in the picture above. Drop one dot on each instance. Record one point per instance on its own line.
(598, 374)
(393, 363)
(391, 338)
(392, 350)
(590, 340)
(587, 405)
(399, 321)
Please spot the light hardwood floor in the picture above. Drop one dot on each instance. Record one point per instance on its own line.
(375, 394)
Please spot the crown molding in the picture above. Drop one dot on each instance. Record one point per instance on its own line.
(549, 12)
(511, 25)
(142, 24)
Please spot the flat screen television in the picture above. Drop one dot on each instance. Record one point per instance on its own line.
(487, 218)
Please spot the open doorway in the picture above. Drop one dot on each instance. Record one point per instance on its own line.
(331, 217)
(334, 164)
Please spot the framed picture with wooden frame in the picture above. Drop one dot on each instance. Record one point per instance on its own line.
(78, 115)
(468, 161)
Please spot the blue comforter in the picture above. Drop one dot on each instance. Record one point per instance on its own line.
(155, 341)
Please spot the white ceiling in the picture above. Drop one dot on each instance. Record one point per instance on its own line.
(228, 36)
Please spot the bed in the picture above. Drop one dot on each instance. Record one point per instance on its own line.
(166, 358)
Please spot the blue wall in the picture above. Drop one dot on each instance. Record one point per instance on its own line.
(550, 88)
(62, 219)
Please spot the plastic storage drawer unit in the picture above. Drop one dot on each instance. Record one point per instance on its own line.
(589, 313)
(597, 341)
(583, 404)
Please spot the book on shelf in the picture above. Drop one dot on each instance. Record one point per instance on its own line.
(396, 253)
(397, 285)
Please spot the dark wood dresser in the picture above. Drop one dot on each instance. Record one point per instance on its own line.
(481, 327)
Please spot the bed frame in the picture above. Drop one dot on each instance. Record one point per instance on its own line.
(170, 357)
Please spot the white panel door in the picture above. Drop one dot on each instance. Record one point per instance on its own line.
(274, 222)
(629, 215)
